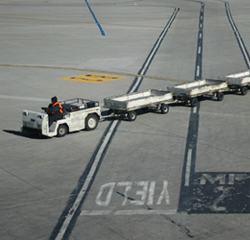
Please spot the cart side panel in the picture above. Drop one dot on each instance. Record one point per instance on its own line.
(156, 92)
(246, 80)
(200, 87)
(148, 101)
(187, 85)
(214, 82)
(137, 100)
(120, 102)
(113, 104)
(238, 81)
(239, 75)
(234, 81)
(186, 88)
(178, 89)
(127, 97)
(138, 103)
(209, 88)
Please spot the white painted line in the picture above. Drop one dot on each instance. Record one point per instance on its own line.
(127, 212)
(198, 71)
(231, 179)
(199, 50)
(238, 35)
(142, 72)
(188, 167)
(195, 110)
(87, 182)
(25, 98)
(151, 193)
(96, 213)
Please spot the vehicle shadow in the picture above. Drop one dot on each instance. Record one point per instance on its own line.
(32, 135)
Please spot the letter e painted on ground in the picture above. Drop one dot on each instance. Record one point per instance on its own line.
(142, 192)
(128, 186)
(151, 192)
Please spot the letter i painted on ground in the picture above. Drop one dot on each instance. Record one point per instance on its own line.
(127, 186)
(142, 193)
(164, 194)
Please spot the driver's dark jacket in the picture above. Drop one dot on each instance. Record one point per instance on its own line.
(56, 110)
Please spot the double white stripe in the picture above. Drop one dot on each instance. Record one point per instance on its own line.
(87, 181)
(143, 70)
(242, 46)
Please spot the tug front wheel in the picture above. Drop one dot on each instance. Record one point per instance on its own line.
(91, 122)
(62, 130)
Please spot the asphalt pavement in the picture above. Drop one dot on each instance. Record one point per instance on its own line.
(180, 175)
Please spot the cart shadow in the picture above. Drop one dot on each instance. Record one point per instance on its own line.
(202, 99)
(209, 98)
(122, 117)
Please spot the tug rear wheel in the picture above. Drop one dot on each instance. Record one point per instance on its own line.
(62, 130)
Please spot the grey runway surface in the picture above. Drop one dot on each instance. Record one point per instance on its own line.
(177, 176)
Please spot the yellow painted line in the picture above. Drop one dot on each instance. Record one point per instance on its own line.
(93, 78)
(97, 71)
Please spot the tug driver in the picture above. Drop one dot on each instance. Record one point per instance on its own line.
(55, 111)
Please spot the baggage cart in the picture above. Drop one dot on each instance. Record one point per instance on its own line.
(238, 82)
(127, 104)
(190, 92)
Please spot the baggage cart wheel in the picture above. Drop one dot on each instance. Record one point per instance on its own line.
(62, 130)
(243, 90)
(91, 122)
(220, 96)
(132, 115)
(164, 108)
(194, 102)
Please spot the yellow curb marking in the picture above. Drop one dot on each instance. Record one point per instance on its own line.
(93, 78)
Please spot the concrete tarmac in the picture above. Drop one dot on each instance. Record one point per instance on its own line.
(182, 175)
